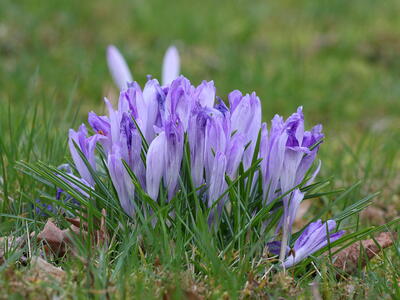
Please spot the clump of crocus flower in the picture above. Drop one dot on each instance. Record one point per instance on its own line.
(220, 139)
(148, 133)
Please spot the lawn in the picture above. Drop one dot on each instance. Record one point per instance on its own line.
(338, 59)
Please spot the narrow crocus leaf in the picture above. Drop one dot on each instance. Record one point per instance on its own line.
(155, 165)
(171, 65)
(118, 67)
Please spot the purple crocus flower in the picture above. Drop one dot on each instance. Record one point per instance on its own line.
(130, 147)
(171, 65)
(216, 138)
(313, 238)
(205, 94)
(118, 67)
(298, 159)
(287, 156)
(217, 178)
(151, 95)
(234, 98)
(196, 136)
(99, 124)
(217, 185)
(121, 180)
(246, 120)
(132, 102)
(235, 154)
(272, 151)
(87, 146)
(179, 101)
(220, 139)
(174, 152)
(155, 165)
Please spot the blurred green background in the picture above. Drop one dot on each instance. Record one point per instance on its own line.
(339, 59)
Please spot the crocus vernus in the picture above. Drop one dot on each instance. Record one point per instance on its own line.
(171, 65)
(87, 146)
(122, 181)
(118, 67)
(150, 130)
(314, 237)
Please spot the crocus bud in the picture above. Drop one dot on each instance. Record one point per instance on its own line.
(196, 136)
(151, 93)
(205, 94)
(179, 101)
(155, 165)
(216, 138)
(131, 146)
(273, 146)
(87, 146)
(217, 184)
(234, 99)
(246, 119)
(122, 181)
(174, 152)
(118, 68)
(235, 154)
(171, 65)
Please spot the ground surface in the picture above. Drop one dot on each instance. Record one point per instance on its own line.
(338, 59)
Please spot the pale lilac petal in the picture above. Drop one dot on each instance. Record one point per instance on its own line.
(196, 136)
(155, 165)
(122, 182)
(174, 152)
(171, 65)
(234, 99)
(87, 147)
(205, 94)
(312, 239)
(118, 68)
(235, 154)
(217, 184)
(151, 93)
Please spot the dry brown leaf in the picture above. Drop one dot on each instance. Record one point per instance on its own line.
(349, 259)
(53, 239)
(74, 221)
(56, 241)
(42, 269)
